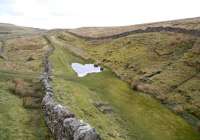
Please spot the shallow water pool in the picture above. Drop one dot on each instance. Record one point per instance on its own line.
(84, 69)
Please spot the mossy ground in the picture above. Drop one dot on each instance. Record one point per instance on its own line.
(134, 116)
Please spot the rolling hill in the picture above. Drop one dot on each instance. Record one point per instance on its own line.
(149, 89)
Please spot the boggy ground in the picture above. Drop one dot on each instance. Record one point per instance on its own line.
(109, 104)
(163, 64)
(21, 117)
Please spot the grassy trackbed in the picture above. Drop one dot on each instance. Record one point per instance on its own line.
(134, 116)
(162, 64)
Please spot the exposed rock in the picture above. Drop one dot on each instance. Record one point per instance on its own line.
(143, 87)
(79, 130)
(95, 65)
(101, 68)
(100, 104)
(106, 109)
(103, 107)
(133, 67)
(162, 52)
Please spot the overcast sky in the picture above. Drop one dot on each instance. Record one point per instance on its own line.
(77, 13)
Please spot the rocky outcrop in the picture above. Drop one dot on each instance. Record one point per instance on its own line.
(147, 30)
(62, 123)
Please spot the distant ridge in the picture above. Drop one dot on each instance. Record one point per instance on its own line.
(189, 23)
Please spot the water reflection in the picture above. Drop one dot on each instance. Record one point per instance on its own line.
(83, 69)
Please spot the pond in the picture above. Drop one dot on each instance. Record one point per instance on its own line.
(84, 69)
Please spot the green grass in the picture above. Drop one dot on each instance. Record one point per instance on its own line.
(135, 115)
(16, 122)
(136, 56)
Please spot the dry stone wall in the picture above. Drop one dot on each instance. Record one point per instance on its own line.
(147, 30)
(62, 123)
